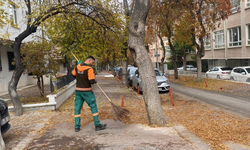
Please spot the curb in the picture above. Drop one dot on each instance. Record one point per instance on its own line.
(191, 138)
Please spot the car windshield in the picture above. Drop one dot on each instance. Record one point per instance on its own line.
(226, 68)
(248, 70)
(157, 73)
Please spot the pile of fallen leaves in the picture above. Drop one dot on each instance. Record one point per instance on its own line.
(213, 125)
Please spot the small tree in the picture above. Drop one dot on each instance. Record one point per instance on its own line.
(40, 59)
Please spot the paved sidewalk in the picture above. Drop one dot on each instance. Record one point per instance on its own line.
(117, 135)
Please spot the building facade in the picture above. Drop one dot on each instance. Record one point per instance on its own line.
(229, 44)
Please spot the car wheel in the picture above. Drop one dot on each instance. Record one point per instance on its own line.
(248, 80)
(206, 76)
(218, 77)
(231, 78)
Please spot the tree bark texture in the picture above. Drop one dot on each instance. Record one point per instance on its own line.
(164, 55)
(200, 53)
(17, 73)
(146, 70)
(184, 61)
(40, 85)
(173, 53)
(199, 67)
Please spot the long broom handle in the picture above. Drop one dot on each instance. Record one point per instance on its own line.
(103, 92)
(96, 83)
(74, 56)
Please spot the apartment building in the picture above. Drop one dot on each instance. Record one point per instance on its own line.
(229, 44)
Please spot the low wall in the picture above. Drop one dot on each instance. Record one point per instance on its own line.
(55, 100)
(62, 94)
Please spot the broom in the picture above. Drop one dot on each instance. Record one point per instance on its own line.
(120, 113)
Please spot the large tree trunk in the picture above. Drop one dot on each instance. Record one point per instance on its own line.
(199, 68)
(17, 74)
(112, 68)
(199, 55)
(184, 61)
(69, 68)
(146, 70)
(40, 85)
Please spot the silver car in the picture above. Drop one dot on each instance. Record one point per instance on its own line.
(241, 74)
(219, 72)
(188, 67)
(162, 81)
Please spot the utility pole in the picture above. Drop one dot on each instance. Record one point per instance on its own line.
(157, 55)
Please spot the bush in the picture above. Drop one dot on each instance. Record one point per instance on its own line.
(170, 65)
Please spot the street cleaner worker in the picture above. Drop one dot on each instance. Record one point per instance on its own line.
(85, 76)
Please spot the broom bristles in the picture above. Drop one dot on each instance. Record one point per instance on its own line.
(121, 113)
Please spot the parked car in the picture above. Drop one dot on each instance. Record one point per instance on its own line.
(189, 68)
(219, 72)
(241, 74)
(162, 81)
(119, 70)
(131, 72)
(5, 117)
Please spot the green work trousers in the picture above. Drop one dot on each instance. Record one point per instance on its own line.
(89, 98)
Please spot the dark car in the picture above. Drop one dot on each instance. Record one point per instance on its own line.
(5, 117)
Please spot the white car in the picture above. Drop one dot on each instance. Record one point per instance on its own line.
(219, 72)
(241, 74)
(162, 81)
(189, 68)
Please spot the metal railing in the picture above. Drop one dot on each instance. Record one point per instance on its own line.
(59, 82)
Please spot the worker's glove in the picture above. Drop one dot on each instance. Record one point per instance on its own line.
(79, 62)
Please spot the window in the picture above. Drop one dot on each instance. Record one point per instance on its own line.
(235, 5)
(219, 39)
(248, 34)
(13, 13)
(10, 60)
(207, 42)
(234, 36)
(248, 3)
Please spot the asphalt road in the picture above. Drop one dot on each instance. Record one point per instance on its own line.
(234, 103)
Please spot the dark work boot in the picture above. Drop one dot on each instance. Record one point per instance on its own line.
(77, 129)
(100, 127)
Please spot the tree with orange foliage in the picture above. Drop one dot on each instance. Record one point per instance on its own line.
(204, 16)
(162, 21)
